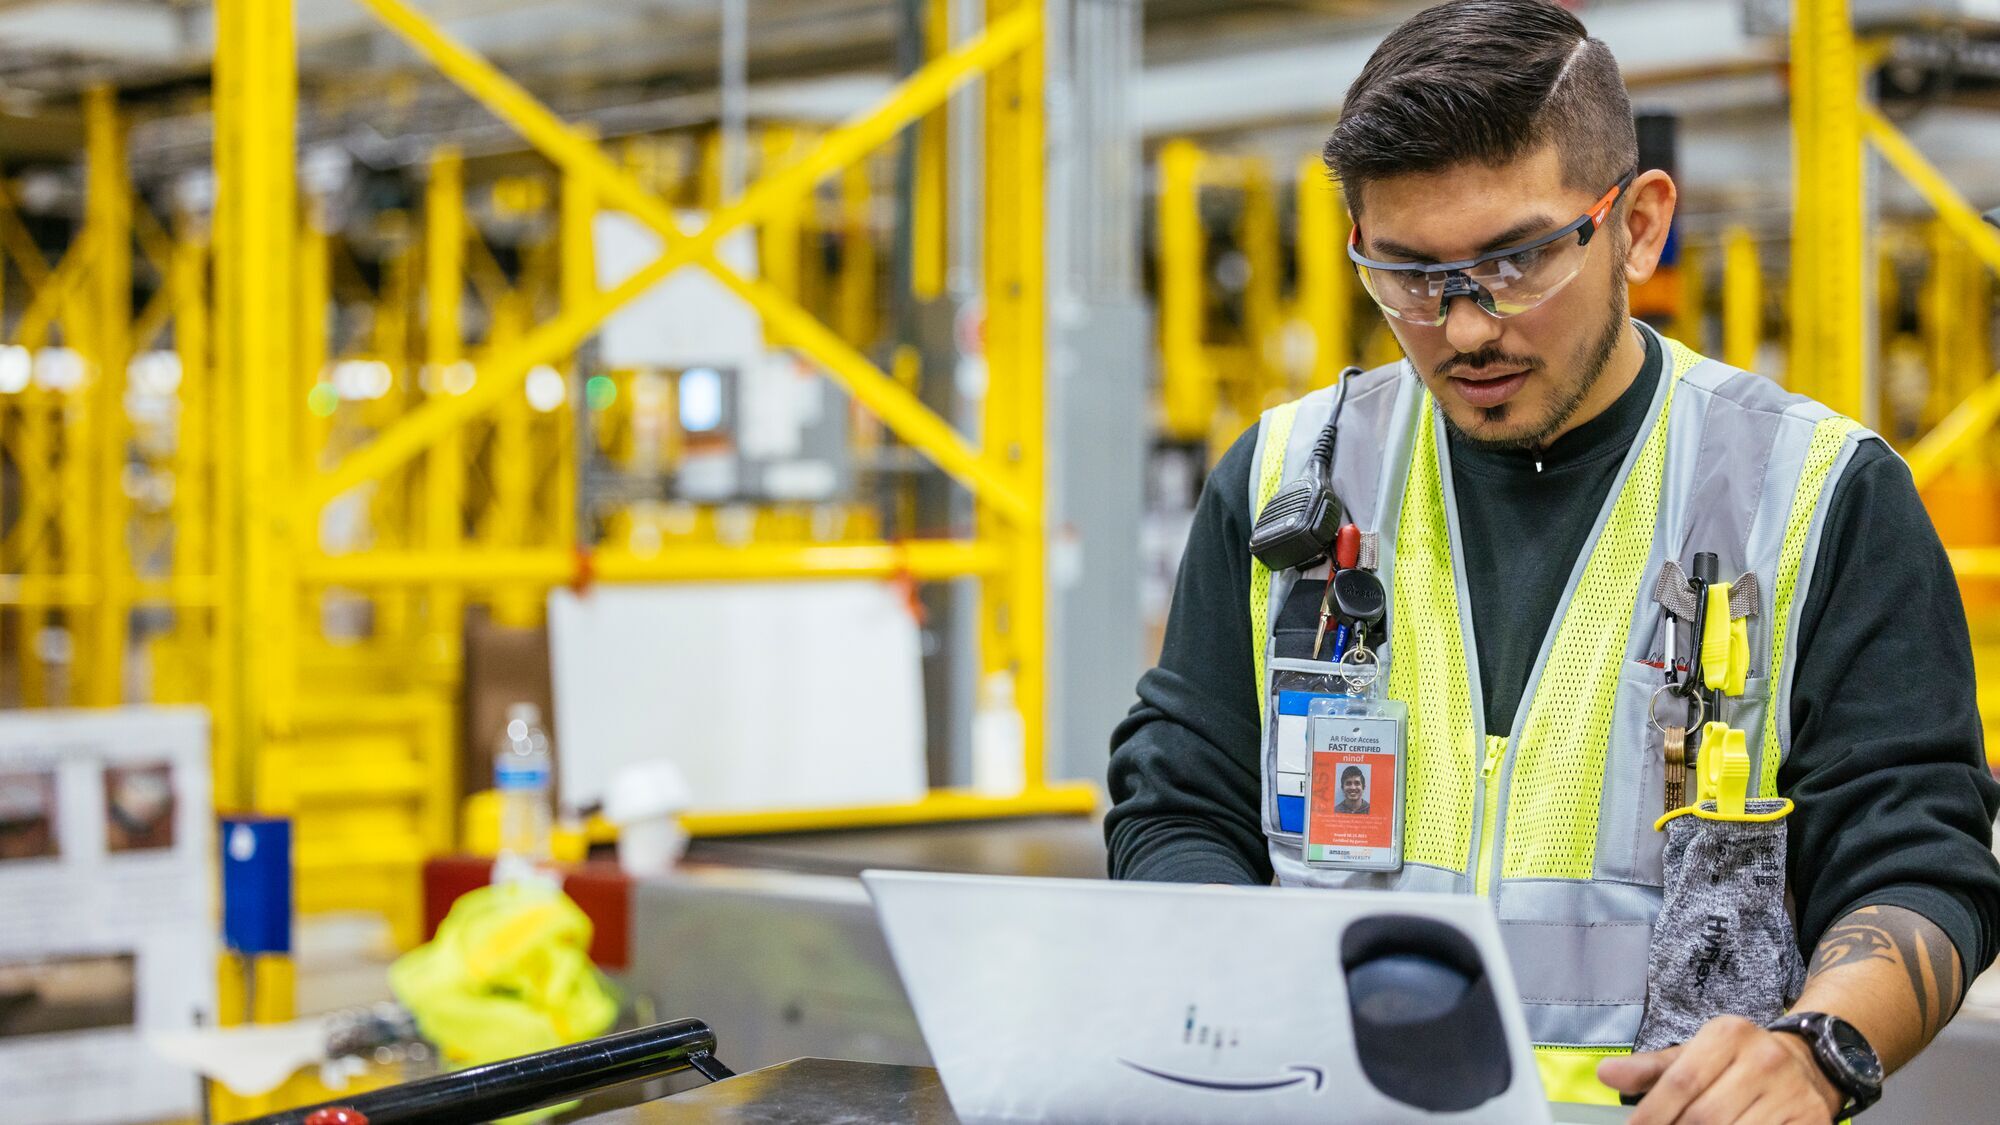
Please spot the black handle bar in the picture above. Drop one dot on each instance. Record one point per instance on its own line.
(510, 1086)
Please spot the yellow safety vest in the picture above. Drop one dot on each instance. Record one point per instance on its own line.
(1554, 822)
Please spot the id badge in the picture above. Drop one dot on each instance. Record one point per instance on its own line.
(1354, 801)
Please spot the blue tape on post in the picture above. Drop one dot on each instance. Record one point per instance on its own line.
(257, 884)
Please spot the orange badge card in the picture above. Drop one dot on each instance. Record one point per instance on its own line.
(1353, 812)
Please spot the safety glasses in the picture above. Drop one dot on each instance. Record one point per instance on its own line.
(1505, 282)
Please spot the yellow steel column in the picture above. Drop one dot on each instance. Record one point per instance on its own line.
(256, 95)
(99, 663)
(576, 284)
(778, 235)
(1016, 430)
(315, 272)
(393, 502)
(77, 523)
(1691, 322)
(1187, 385)
(1941, 328)
(193, 482)
(1326, 293)
(1257, 236)
(1828, 268)
(929, 198)
(512, 468)
(444, 469)
(860, 312)
(1742, 299)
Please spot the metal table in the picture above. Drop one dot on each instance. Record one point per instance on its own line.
(818, 1091)
(803, 1092)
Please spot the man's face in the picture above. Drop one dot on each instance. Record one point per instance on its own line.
(1351, 789)
(1521, 381)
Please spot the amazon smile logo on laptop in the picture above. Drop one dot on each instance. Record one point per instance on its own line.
(1295, 1075)
(1216, 1040)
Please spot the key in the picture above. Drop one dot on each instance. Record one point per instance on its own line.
(1325, 615)
(1676, 767)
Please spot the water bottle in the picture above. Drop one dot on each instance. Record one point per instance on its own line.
(521, 775)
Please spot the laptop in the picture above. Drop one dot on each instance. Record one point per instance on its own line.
(1060, 1000)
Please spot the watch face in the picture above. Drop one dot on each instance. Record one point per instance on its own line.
(1855, 1052)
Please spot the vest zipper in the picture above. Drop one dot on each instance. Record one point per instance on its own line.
(1489, 774)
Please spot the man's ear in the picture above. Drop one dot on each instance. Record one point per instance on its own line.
(1647, 214)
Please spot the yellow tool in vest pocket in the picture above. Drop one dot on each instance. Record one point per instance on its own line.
(1725, 780)
(1715, 649)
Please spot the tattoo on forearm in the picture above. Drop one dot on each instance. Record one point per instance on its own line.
(1903, 938)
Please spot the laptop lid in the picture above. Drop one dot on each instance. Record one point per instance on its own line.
(1082, 1001)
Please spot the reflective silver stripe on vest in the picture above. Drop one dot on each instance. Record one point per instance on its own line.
(1737, 445)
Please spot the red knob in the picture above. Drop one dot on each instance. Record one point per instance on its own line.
(336, 1115)
(1347, 547)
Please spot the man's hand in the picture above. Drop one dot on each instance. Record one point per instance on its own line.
(1732, 1071)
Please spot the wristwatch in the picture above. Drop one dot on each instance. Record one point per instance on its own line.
(1843, 1054)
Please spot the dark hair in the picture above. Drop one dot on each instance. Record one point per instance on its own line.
(1487, 81)
(1355, 773)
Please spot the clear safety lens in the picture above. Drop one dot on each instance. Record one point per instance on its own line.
(1504, 286)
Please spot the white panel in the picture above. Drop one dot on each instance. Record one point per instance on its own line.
(106, 852)
(766, 695)
(687, 320)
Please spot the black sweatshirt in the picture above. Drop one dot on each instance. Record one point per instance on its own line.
(1895, 802)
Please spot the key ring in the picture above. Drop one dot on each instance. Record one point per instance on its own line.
(1358, 658)
(1653, 704)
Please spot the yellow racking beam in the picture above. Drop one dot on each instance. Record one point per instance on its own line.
(1967, 425)
(923, 560)
(1922, 175)
(1003, 38)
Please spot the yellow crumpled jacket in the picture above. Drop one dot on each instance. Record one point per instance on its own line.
(509, 973)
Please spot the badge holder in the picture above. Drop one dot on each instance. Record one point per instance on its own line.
(1296, 686)
(1353, 606)
(1354, 801)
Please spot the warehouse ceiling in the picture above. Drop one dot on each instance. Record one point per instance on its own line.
(1241, 72)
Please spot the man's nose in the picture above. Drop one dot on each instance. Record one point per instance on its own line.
(1467, 326)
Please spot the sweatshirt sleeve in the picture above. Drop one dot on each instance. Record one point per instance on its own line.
(1184, 764)
(1887, 766)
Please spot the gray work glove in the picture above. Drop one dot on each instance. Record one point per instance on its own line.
(1724, 944)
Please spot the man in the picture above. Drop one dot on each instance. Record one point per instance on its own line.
(1528, 472)
(1353, 790)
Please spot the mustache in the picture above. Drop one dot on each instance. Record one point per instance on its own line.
(1488, 358)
